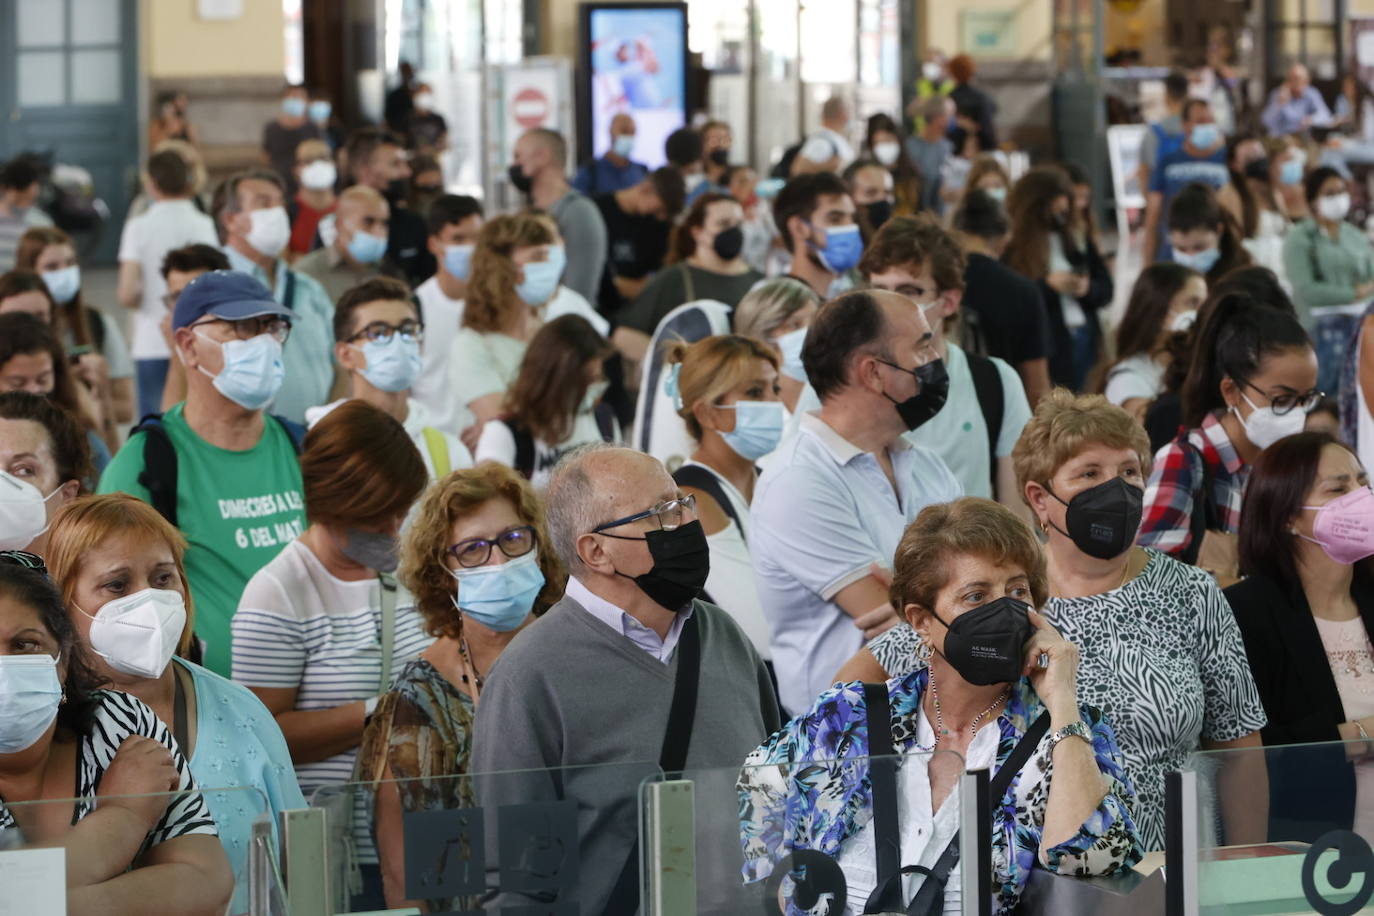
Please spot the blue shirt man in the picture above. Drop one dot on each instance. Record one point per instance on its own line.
(1295, 105)
(614, 171)
(1199, 159)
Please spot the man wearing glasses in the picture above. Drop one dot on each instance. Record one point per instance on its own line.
(378, 340)
(237, 480)
(597, 681)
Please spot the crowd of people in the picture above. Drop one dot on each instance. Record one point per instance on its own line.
(690, 466)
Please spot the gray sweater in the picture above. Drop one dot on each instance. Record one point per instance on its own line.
(584, 236)
(571, 692)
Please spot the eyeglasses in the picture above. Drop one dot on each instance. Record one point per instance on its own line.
(248, 328)
(381, 332)
(669, 514)
(514, 542)
(1286, 403)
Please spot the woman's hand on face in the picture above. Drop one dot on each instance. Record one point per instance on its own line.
(141, 767)
(1057, 683)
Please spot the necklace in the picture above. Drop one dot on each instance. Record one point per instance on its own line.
(477, 680)
(977, 720)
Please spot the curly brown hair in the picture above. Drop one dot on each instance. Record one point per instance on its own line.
(424, 548)
(491, 294)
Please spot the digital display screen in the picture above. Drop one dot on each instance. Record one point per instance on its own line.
(635, 63)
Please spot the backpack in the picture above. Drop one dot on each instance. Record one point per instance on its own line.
(783, 169)
(992, 401)
(159, 474)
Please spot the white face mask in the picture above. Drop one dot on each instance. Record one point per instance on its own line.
(138, 634)
(1333, 207)
(1183, 321)
(887, 151)
(319, 175)
(1264, 427)
(23, 512)
(269, 231)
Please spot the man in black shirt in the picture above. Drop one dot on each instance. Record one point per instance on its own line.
(638, 220)
(377, 159)
(1003, 315)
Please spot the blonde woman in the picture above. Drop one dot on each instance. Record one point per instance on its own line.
(779, 311)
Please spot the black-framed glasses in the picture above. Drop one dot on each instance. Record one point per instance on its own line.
(513, 542)
(381, 332)
(248, 328)
(669, 513)
(1287, 403)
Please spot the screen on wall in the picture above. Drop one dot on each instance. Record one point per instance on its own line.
(634, 62)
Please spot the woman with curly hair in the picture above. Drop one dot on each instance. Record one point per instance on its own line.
(478, 560)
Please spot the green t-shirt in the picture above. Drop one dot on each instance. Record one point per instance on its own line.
(236, 510)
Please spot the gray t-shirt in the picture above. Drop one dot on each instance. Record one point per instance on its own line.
(929, 158)
(584, 235)
(684, 283)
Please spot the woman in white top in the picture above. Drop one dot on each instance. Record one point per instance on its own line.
(779, 311)
(515, 271)
(312, 627)
(727, 388)
(554, 404)
(1164, 302)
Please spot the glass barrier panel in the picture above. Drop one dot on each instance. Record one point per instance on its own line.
(48, 863)
(554, 841)
(724, 841)
(1285, 829)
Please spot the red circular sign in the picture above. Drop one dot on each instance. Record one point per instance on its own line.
(530, 108)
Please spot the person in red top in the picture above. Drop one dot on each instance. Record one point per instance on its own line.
(316, 175)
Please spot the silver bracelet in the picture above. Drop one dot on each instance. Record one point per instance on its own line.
(1359, 727)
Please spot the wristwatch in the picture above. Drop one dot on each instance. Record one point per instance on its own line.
(1077, 729)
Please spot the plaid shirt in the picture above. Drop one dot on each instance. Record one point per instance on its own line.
(1168, 519)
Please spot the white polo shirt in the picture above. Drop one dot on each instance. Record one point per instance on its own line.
(442, 317)
(822, 513)
(164, 226)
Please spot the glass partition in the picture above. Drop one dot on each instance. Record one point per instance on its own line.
(499, 841)
(1285, 829)
(47, 865)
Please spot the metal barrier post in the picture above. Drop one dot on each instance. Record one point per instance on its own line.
(669, 888)
(975, 843)
(1181, 843)
(305, 861)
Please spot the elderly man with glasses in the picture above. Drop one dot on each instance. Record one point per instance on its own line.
(217, 465)
(629, 667)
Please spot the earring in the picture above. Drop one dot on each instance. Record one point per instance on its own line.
(63, 701)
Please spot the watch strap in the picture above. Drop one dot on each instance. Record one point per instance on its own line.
(1077, 729)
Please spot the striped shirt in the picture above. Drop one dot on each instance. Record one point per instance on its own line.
(119, 716)
(299, 626)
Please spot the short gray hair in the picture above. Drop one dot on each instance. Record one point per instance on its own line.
(570, 503)
(770, 303)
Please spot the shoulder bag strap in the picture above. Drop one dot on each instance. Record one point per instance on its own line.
(987, 386)
(882, 774)
(389, 599)
(689, 288)
(524, 448)
(1203, 514)
(289, 299)
(438, 451)
(159, 474)
(698, 478)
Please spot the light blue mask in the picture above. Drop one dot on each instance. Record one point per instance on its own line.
(293, 107)
(758, 427)
(320, 111)
(768, 188)
(623, 145)
(998, 193)
(843, 248)
(1204, 136)
(253, 370)
(30, 693)
(63, 284)
(541, 277)
(499, 596)
(1290, 173)
(366, 248)
(791, 345)
(458, 260)
(392, 365)
(1202, 261)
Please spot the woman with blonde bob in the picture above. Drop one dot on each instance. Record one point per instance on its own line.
(1161, 649)
(478, 561)
(1005, 700)
(119, 566)
(727, 388)
(779, 311)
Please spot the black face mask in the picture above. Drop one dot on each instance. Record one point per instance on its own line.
(729, 243)
(682, 561)
(519, 179)
(1059, 221)
(397, 190)
(926, 402)
(879, 212)
(1103, 520)
(1258, 169)
(720, 157)
(987, 645)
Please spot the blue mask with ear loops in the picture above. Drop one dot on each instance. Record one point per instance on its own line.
(758, 427)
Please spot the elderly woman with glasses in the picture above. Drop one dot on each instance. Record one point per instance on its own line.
(477, 560)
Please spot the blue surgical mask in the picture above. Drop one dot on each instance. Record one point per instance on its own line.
(791, 345)
(1290, 173)
(499, 596)
(253, 370)
(1201, 261)
(998, 193)
(623, 145)
(320, 111)
(541, 277)
(293, 107)
(458, 260)
(758, 427)
(366, 248)
(768, 188)
(63, 284)
(392, 365)
(30, 692)
(1204, 136)
(843, 248)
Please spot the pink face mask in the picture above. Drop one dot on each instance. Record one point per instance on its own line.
(1344, 527)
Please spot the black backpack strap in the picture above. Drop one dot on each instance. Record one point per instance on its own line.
(159, 474)
(882, 774)
(98, 331)
(698, 478)
(524, 448)
(992, 400)
(605, 421)
(289, 297)
(1204, 515)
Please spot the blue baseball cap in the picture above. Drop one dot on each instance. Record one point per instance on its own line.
(231, 295)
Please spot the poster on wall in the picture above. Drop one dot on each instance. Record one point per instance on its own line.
(536, 92)
(634, 62)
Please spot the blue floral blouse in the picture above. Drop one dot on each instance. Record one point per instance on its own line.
(790, 807)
